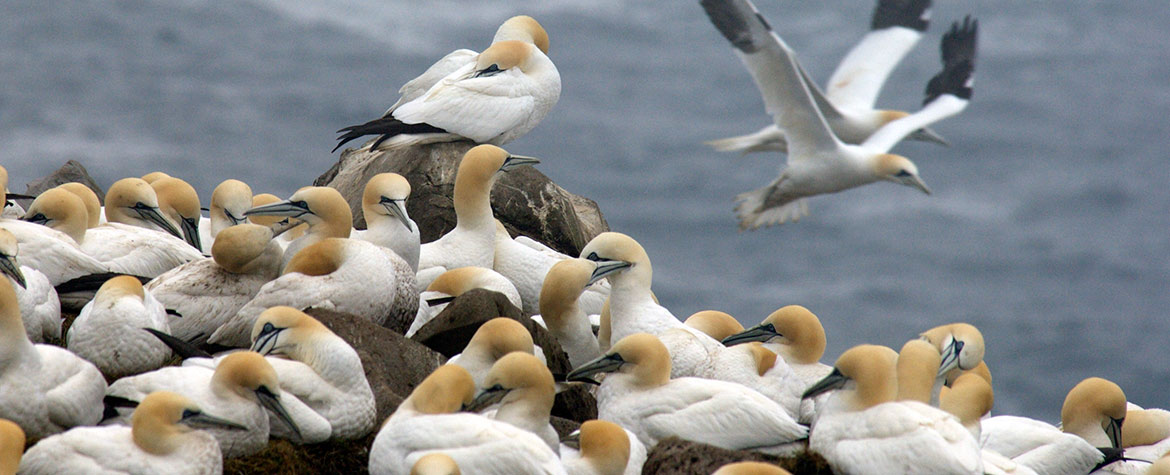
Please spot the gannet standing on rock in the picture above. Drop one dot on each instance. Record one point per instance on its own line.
(523, 388)
(494, 339)
(134, 239)
(528, 267)
(43, 388)
(160, 440)
(561, 313)
(387, 224)
(493, 97)
(818, 161)
(344, 275)
(454, 283)
(109, 330)
(50, 236)
(39, 308)
(229, 201)
(429, 421)
(602, 448)
(321, 207)
(472, 242)
(640, 396)
(179, 202)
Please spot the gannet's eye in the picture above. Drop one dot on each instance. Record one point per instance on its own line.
(593, 257)
(902, 174)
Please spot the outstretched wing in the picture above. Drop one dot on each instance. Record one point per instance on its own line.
(896, 27)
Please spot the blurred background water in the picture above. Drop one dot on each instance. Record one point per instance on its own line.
(1048, 227)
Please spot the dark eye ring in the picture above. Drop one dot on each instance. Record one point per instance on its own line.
(902, 174)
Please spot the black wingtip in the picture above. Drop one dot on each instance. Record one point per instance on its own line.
(732, 20)
(958, 44)
(913, 14)
(174, 313)
(91, 282)
(958, 48)
(1111, 455)
(439, 301)
(387, 127)
(111, 404)
(183, 349)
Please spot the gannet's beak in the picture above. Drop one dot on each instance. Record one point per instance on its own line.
(950, 356)
(573, 440)
(396, 208)
(153, 215)
(191, 233)
(926, 135)
(604, 364)
(514, 161)
(200, 418)
(917, 182)
(760, 333)
(281, 208)
(11, 268)
(1114, 431)
(266, 340)
(834, 380)
(605, 268)
(271, 402)
(486, 398)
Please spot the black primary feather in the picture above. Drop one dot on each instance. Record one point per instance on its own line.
(387, 127)
(904, 13)
(958, 55)
(183, 349)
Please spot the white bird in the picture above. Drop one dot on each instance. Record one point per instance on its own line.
(818, 161)
(179, 202)
(1091, 418)
(208, 292)
(39, 308)
(527, 268)
(241, 387)
(321, 207)
(428, 421)
(970, 398)
(334, 274)
(160, 440)
(492, 340)
(601, 447)
(561, 312)
(48, 237)
(851, 94)
(45, 389)
(387, 224)
(135, 239)
(960, 345)
(491, 97)
(521, 388)
(864, 430)
(109, 331)
(640, 396)
(454, 283)
(11, 446)
(472, 242)
(230, 199)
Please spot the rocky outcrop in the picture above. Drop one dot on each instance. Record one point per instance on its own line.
(675, 455)
(70, 171)
(525, 200)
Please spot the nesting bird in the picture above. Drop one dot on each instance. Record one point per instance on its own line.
(454, 283)
(230, 199)
(321, 207)
(602, 448)
(521, 388)
(134, 240)
(561, 311)
(179, 202)
(49, 237)
(492, 340)
(387, 223)
(109, 330)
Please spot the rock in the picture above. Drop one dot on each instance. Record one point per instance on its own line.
(524, 199)
(281, 456)
(563, 427)
(393, 364)
(575, 404)
(70, 171)
(674, 455)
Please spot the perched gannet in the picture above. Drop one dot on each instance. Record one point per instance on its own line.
(1091, 418)
(435, 463)
(454, 283)
(160, 440)
(493, 97)
(387, 224)
(863, 429)
(206, 293)
(345, 275)
(179, 202)
(93, 206)
(49, 237)
(472, 242)
(818, 161)
(750, 468)
(45, 389)
(109, 330)
(522, 388)
(851, 93)
(240, 388)
(123, 243)
(492, 340)
(527, 268)
(428, 421)
(561, 312)
(321, 207)
(11, 446)
(601, 447)
(39, 308)
(229, 201)
(641, 397)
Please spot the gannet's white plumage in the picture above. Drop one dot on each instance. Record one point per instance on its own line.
(970, 398)
(863, 429)
(229, 201)
(135, 239)
(818, 161)
(109, 330)
(387, 224)
(49, 237)
(492, 340)
(603, 448)
(1090, 418)
(851, 93)
(521, 388)
(334, 274)
(240, 388)
(454, 283)
(321, 207)
(39, 308)
(527, 268)
(640, 396)
(561, 311)
(45, 389)
(11, 446)
(208, 292)
(491, 97)
(159, 441)
(428, 422)
(179, 202)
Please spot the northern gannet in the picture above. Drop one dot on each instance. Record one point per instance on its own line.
(161, 439)
(208, 292)
(492, 340)
(851, 93)
(109, 331)
(601, 447)
(454, 283)
(179, 202)
(241, 388)
(640, 396)
(428, 421)
(11, 446)
(961, 347)
(321, 207)
(561, 312)
(229, 201)
(39, 308)
(750, 468)
(862, 429)
(818, 161)
(45, 389)
(491, 97)
(333, 274)
(527, 268)
(286, 238)
(387, 224)
(970, 399)
(45, 240)
(521, 388)
(135, 238)
(472, 242)
(435, 463)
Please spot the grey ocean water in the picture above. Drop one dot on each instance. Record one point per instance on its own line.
(1048, 227)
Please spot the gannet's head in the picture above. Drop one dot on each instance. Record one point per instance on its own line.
(1095, 410)
(605, 445)
(322, 207)
(750, 468)
(617, 254)
(1145, 427)
(61, 210)
(287, 331)
(93, 206)
(562, 286)
(132, 201)
(796, 329)
(246, 248)
(641, 355)
(178, 200)
(250, 376)
(917, 369)
(478, 168)
(385, 195)
(505, 55)
(118, 287)
(261, 200)
(447, 390)
(435, 463)
(229, 201)
(162, 417)
(715, 324)
(498, 337)
(517, 377)
(9, 249)
(898, 169)
(320, 258)
(969, 399)
(523, 28)
(11, 446)
(865, 371)
(960, 344)
(154, 176)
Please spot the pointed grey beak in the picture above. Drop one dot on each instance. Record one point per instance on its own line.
(604, 364)
(486, 398)
(293, 209)
(153, 215)
(271, 402)
(761, 333)
(1114, 431)
(573, 440)
(950, 356)
(191, 233)
(605, 268)
(834, 380)
(926, 135)
(397, 209)
(514, 161)
(203, 419)
(11, 268)
(916, 182)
